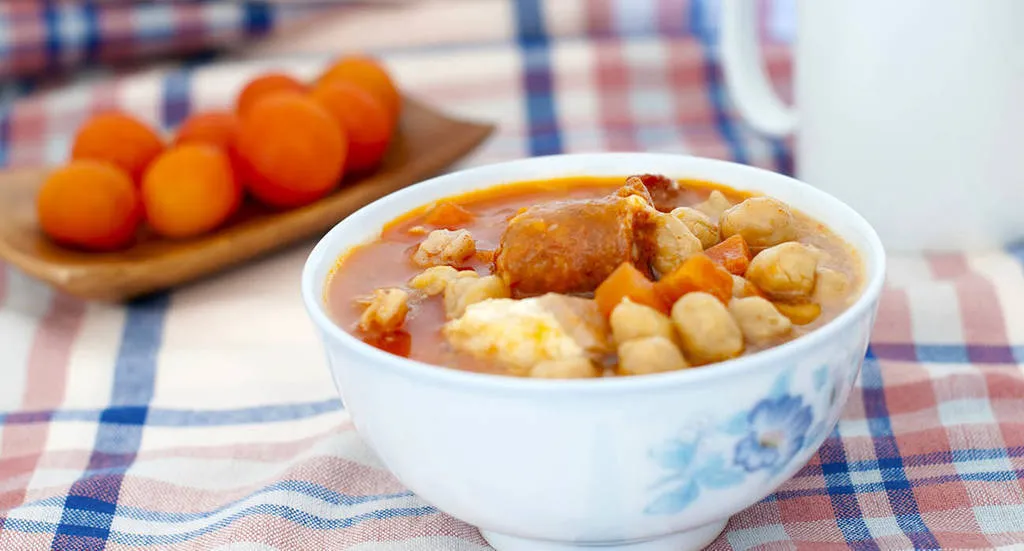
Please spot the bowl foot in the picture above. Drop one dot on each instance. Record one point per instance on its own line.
(690, 540)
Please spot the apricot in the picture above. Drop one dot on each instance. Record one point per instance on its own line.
(119, 139)
(217, 128)
(189, 190)
(291, 151)
(368, 74)
(89, 204)
(265, 86)
(363, 118)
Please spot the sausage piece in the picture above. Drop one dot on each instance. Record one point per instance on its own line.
(572, 246)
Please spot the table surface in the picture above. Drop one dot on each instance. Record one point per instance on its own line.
(206, 417)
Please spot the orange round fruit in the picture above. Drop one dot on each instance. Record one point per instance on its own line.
(362, 117)
(217, 128)
(119, 139)
(189, 190)
(91, 205)
(265, 86)
(291, 151)
(369, 74)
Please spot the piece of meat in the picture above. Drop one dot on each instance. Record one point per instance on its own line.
(518, 334)
(582, 320)
(664, 191)
(572, 246)
(444, 248)
(521, 334)
(635, 186)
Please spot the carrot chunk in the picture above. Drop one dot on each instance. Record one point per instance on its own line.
(627, 282)
(449, 216)
(733, 254)
(698, 273)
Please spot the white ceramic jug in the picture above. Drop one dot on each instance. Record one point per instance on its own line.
(911, 111)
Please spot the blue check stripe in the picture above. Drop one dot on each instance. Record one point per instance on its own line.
(294, 487)
(121, 425)
(296, 516)
(258, 17)
(538, 83)
(163, 417)
(1017, 250)
(704, 28)
(51, 18)
(783, 157)
(833, 482)
(839, 488)
(177, 97)
(5, 134)
(897, 485)
(120, 432)
(92, 40)
(918, 460)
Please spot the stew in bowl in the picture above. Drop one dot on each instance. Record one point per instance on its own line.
(574, 351)
(587, 277)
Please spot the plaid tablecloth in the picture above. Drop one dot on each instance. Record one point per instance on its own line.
(39, 37)
(206, 419)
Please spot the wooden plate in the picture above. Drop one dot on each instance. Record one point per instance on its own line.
(426, 143)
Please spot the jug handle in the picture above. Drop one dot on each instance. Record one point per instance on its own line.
(745, 77)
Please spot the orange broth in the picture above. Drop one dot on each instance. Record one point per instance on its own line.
(386, 262)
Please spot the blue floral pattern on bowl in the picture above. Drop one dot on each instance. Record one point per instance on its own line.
(777, 430)
(759, 441)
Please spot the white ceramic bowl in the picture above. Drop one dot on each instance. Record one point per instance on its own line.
(655, 462)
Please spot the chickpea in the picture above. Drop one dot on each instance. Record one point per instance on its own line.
(570, 368)
(433, 281)
(630, 320)
(673, 243)
(715, 204)
(742, 288)
(762, 221)
(699, 224)
(831, 286)
(800, 313)
(461, 292)
(758, 319)
(785, 271)
(386, 311)
(649, 355)
(444, 247)
(706, 329)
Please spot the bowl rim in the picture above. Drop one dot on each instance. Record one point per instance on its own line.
(313, 298)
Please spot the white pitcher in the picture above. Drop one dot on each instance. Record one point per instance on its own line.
(911, 111)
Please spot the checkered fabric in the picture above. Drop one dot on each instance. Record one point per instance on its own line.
(206, 418)
(42, 37)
